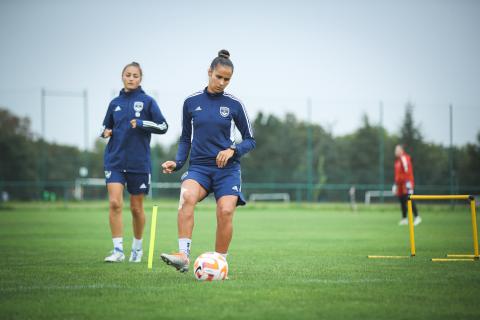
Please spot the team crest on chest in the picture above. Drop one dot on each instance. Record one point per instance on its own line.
(224, 111)
(138, 107)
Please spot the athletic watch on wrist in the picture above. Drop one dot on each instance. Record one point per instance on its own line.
(234, 148)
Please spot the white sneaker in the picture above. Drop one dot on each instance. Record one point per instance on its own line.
(403, 222)
(177, 260)
(417, 221)
(115, 256)
(136, 256)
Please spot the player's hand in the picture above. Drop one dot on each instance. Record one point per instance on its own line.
(169, 166)
(394, 189)
(107, 133)
(408, 185)
(133, 122)
(223, 157)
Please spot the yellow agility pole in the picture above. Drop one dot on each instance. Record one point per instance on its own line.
(153, 226)
(439, 197)
(410, 225)
(474, 227)
(469, 256)
(450, 260)
(388, 257)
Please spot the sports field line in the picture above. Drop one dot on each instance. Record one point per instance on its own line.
(345, 281)
(66, 287)
(150, 288)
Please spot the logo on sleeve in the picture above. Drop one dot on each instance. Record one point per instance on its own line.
(118, 109)
(224, 111)
(138, 107)
(198, 108)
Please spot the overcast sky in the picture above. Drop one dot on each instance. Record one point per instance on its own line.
(346, 55)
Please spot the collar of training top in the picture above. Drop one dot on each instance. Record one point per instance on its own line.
(212, 94)
(138, 90)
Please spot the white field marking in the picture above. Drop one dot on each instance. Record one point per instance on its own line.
(181, 201)
(345, 281)
(66, 287)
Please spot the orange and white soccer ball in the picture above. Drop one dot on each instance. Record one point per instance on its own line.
(210, 266)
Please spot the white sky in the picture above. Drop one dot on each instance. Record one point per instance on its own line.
(346, 55)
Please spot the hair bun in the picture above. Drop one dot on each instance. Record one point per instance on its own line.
(224, 54)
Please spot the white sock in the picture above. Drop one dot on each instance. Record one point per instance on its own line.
(184, 245)
(224, 255)
(137, 244)
(118, 243)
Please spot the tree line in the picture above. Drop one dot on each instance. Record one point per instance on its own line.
(281, 157)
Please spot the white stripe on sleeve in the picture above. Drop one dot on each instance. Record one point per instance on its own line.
(244, 112)
(151, 124)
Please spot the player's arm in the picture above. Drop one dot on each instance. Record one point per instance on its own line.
(243, 124)
(185, 139)
(157, 125)
(407, 168)
(107, 128)
(183, 145)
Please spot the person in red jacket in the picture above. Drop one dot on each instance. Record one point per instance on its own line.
(404, 184)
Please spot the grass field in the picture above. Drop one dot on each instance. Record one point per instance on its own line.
(286, 262)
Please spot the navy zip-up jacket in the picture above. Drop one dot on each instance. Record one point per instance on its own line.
(129, 149)
(208, 127)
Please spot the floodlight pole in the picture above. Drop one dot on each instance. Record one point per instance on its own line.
(43, 106)
(309, 152)
(381, 155)
(450, 153)
(85, 118)
(42, 112)
(43, 156)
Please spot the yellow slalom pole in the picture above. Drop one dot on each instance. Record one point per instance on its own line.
(470, 256)
(439, 197)
(451, 260)
(410, 224)
(152, 237)
(388, 257)
(474, 227)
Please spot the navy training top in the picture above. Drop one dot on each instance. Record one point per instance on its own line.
(208, 127)
(128, 149)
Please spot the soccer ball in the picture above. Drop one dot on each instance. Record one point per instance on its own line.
(210, 266)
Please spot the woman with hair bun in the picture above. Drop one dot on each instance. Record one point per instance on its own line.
(130, 120)
(210, 118)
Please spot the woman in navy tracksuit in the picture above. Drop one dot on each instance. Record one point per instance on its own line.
(210, 118)
(130, 120)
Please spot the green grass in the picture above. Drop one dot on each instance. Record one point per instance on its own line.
(286, 262)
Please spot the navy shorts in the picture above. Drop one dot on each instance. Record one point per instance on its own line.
(137, 183)
(220, 181)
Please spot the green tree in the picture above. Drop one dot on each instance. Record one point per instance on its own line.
(468, 163)
(17, 155)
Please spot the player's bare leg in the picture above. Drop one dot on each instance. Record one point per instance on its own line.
(225, 210)
(191, 192)
(138, 215)
(115, 198)
(138, 222)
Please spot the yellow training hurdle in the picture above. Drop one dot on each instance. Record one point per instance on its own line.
(450, 257)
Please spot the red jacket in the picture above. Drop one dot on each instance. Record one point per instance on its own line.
(404, 175)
